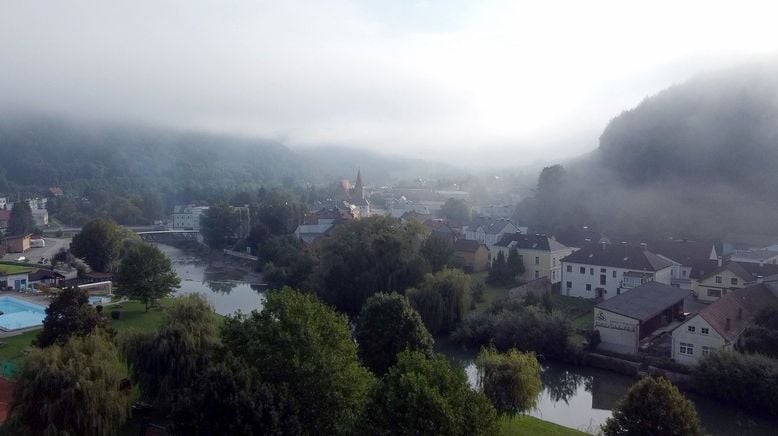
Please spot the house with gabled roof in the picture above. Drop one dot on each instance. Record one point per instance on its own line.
(606, 270)
(684, 254)
(471, 256)
(489, 231)
(542, 255)
(711, 280)
(720, 324)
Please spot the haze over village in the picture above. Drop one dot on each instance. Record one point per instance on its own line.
(413, 217)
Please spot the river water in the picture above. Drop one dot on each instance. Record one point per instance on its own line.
(575, 397)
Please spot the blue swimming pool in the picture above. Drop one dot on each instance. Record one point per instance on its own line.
(20, 314)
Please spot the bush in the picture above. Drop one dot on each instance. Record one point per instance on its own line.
(116, 314)
(750, 381)
(515, 326)
(593, 339)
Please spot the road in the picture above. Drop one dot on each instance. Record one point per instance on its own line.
(53, 245)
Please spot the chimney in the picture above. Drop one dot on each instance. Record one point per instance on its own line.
(740, 313)
(718, 260)
(728, 325)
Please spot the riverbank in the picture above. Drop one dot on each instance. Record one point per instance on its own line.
(528, 425)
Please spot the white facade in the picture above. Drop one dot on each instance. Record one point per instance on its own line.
(41, 217)
(3, 202)
(187, 217)
(477, 233)
(38, 203)
(694, 339)
(594, 281)
(618, 333)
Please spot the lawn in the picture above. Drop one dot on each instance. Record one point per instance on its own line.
(134, 317)
(528, 425)
(490, 294)
(8, 269)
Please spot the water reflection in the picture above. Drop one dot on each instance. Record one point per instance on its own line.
(562, 385)
(228, 290)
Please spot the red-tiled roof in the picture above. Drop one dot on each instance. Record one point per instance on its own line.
(740, 307)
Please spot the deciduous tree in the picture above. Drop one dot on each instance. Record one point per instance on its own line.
(74, 389)
(21, 222)
(298, 342)
(510, 380)
(653, 406)
(386, 326)
(100, 242)
(442, 299)
(425, 395)
(146, 274)
(219, 226)
(68, 315)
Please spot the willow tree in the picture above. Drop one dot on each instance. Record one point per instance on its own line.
(76, 389)
(510, 380)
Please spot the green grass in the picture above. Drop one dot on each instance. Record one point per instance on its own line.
(491, 292)
(528, 425)
(7, 269)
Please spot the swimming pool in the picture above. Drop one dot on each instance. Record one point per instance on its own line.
(20, 314)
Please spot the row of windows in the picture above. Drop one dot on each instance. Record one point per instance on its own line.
(732, 281)
(688, 349)
(693, 329)
(582, 270)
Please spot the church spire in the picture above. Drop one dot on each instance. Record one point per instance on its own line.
(358, 187)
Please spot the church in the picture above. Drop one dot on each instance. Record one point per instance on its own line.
(355, 195)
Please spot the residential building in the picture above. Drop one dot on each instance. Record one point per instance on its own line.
(472, 256)
(489, 231)
(626, 319)
(442, 229)
(542, 255)
(606, 270)
(683, 254)
(14, 277)
(720, 324)
(317, 225)
(187, 217)
(56, 191)
(37, 203)
(711, 280)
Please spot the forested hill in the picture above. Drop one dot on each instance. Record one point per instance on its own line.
(40, 152)
(696, 160)
(717, 128)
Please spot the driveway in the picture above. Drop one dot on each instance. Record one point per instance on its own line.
(53, 245)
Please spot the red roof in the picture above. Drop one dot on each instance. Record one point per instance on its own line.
(56, 191)
(740, 307)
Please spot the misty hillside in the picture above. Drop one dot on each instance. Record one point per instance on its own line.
(37, 152)
(696, 160)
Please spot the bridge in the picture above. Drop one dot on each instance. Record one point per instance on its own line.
(168, 235)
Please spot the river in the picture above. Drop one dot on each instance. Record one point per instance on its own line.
(575, 397)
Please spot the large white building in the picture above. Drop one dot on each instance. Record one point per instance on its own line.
(721, 324)
(489, 231)
(187, 217)
(607, 270)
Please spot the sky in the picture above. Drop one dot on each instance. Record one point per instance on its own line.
(482, 83)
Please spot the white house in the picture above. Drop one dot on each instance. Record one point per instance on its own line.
(542, 256)
(720, 324)
(187, 217)
(684, 255)
(489, 231)
(606, 270)
(623, 321)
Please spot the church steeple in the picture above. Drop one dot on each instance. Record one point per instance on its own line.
(358, 187)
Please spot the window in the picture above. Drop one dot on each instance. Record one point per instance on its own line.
(714, 292)
(553, 261)
(602, 279)
(569, 285)
(588, 287)
(733, 281)
(591, 271)
(614, 273)
(537, 274)
(537, 260)
(583, 270)
(687, 349)
(705, 350)
(553, 275)
(602, 270)
(569, 268)
(691, 328)
(718, 279)
(683, 273)
(704, 330)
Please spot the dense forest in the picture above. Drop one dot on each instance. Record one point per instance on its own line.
(696, 160)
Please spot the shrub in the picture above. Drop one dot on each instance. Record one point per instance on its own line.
(748, 380)
(116, 314)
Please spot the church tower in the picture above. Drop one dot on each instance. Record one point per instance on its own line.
(358, 187)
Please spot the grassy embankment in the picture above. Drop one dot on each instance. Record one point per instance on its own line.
(528, 425)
